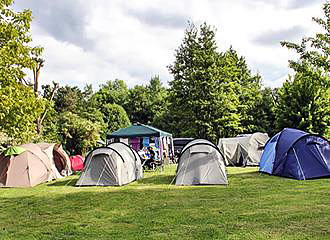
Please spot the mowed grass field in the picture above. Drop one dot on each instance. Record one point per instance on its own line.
(252, 206)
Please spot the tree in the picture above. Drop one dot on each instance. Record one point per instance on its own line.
(166, 120)
(138, 107)
(39, 63)
(50, 93)
(68, 99)
(19, 112)
(304, 98)
(314, 50)
(112, 92)
(304, 103)
(264, 112)
(210, 94)
(77, 134)
(248, 89)
(115, 117)
(160, 105)
(88, 92)
(89, 108)
(157, 96)
(15, 52)
(20, 108)
(73, 119)
(111, 100)
(146, 102)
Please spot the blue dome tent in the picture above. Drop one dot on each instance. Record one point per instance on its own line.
(296, 154)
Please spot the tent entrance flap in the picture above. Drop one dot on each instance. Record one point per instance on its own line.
(102, 171)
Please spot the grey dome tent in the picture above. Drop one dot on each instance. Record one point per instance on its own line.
(114, 165)
(201, 163)
(243, 150)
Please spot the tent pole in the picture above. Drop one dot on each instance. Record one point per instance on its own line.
(100, 175)
(294, 151)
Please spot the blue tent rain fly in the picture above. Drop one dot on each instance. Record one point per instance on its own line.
(296, 154)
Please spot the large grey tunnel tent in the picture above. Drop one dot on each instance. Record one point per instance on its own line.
(201, 163)
(245, 150)
(114, 165)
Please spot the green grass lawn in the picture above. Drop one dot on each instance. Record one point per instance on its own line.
(252, 206)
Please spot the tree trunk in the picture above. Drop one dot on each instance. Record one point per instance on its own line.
(42, 117)
(36, 73)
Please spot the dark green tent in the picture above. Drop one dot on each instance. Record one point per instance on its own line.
(138, 130)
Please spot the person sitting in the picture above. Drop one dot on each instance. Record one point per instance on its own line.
(152, 153)
(150, 163)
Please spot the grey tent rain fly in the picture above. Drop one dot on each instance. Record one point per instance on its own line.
(201, 163)
(243, 150)
(114, 165)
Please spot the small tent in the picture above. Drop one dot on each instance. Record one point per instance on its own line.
(200, 163)
(27, 167)
(48, 148)
(296, 154)
(77, 162)
(244, 150)
(59, 160)
(114, 165)
(62, 160)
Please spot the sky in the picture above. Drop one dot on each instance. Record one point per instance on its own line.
(93, 41)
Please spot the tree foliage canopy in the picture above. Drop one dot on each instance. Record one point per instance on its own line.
(112, 92)
(314, 50)
(19, 111)
(20, 108)
(212, 92)
(15, 51)
(304, 103)
(115, 117)
(76, 133)
(304, 100)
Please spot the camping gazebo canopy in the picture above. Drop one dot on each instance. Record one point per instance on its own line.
(138, 130)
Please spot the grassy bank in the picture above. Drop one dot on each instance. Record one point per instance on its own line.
(252, 206)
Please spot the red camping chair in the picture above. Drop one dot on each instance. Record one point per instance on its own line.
(77, 163)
